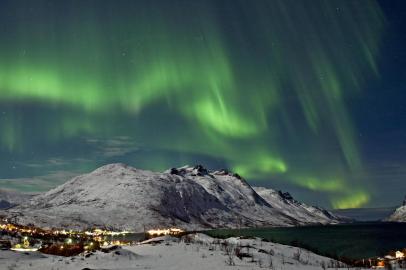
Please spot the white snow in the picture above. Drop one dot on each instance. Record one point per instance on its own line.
(197, 252)
(298, 210)
(9, 198)
(399, 215)
(120, 197)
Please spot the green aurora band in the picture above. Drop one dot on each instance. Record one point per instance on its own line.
(255, 84)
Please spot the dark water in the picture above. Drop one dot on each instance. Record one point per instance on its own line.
(355, 241)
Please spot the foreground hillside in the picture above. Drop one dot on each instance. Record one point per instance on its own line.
(120, 197)
(198, 252)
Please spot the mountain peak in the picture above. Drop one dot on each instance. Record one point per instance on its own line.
(200, 170)
(197, 170)
(113, 168)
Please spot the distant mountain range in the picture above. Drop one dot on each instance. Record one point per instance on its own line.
(117, 196)
(365, 214)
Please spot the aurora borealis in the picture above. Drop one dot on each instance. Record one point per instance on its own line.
(269, 89)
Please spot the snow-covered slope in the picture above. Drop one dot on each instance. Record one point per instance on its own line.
(10, 198)
(118, 196)
(195, 251)
(400, 213)
(285, 203)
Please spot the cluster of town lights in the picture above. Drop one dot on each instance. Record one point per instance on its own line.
(389, 260)
(70, 236)
(97, 235)
(24, 246)
(31, 230)
(170, 231)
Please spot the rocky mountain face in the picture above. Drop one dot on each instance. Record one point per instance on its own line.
(118, 197)
(400, 213)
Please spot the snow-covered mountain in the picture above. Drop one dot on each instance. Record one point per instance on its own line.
(10, 198)
(118, 196)
(286, 204)
(400, 213)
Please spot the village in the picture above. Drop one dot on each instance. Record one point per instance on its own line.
(393, 260)
(67, 243)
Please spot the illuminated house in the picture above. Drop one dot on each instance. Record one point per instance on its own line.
(399, 255)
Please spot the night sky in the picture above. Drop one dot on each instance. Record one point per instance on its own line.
(308, 97)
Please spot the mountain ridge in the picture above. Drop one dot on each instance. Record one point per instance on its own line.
(118, 196)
